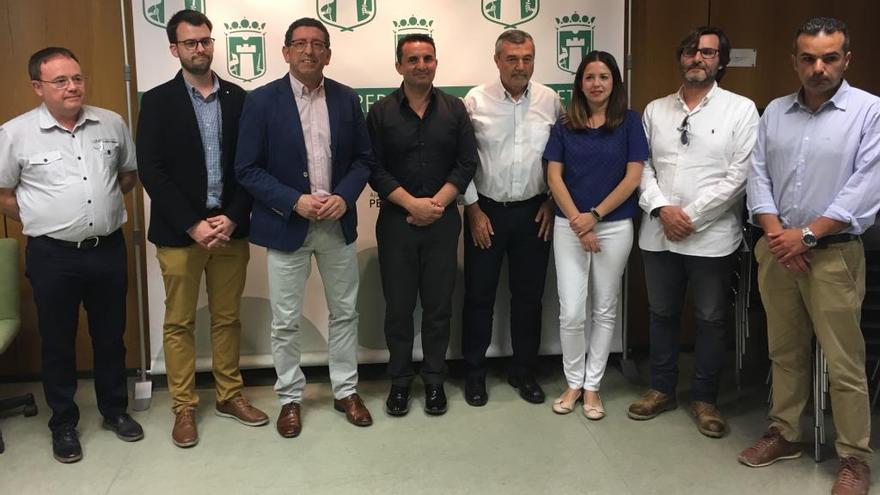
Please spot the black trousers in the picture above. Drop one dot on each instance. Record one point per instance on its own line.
(667, 277)
(516, 235)
(63, 278)
(417, 262)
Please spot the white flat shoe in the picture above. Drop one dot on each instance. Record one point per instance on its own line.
(562, 406)
(594, 413)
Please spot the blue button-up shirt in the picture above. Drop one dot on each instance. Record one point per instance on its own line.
(210, 121)
(809, 164)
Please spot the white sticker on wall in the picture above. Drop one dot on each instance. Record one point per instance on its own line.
(743, 57)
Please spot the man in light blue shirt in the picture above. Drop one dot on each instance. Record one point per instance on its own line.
(813, 188)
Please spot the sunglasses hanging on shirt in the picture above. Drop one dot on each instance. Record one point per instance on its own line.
(683, 129)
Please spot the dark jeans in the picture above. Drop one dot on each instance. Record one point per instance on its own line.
(63, 278)
(667, 276)
(417, 261)
(516, 235)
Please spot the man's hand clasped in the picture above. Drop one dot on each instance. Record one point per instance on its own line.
(317, 206)
(676, 223)
(424, 211)
(213, 232)
(789, 250)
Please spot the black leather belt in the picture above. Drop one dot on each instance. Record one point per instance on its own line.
(835, 239)
(87, 243)
(514, 204)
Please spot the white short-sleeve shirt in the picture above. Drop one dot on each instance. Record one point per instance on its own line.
(66, 182)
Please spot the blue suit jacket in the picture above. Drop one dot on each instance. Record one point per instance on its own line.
(271, 161)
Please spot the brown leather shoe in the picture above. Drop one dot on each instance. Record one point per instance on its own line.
(241, 410)
(355, 411)
(768, 449)
(185, 434)
(709, 419)
(652, 403)
(289, 423)
(853, 478)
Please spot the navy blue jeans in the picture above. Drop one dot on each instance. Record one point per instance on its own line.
(516, 235)
(63, 278)
(668, 276)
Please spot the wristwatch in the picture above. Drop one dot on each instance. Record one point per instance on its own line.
(808, 237)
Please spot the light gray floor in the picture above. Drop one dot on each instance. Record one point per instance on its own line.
(508, 447)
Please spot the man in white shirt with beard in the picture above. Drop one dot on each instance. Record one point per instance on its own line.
(692, 188)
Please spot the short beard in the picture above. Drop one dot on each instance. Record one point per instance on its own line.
(709, 79)
(199, 69)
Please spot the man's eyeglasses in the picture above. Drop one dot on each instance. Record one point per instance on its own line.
(192, 44)
(705, 52)
(300, 45)
(683, 129)
(62, 82)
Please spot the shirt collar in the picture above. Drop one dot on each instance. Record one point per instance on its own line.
(704, 102)
(839, 100)
(47, 121)
(300, 90)
(497, 89)
(403, 100)
(193, 92)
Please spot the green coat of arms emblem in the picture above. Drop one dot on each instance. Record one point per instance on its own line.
(246, 49)
(157, 12)
(346, 14)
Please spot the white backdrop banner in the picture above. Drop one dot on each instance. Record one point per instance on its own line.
(364, 34)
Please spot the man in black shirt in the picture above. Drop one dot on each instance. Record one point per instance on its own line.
(426, 155)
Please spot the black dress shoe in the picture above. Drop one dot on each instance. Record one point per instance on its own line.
(397, 403)
(435, 399)
(475, 391)
(126, 429)
(65, 445)
(528, 388)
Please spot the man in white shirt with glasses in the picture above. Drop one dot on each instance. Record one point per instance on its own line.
(64, 169)
(692, 188)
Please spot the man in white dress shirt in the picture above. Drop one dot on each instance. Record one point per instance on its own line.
(692, 187)
(508, 212)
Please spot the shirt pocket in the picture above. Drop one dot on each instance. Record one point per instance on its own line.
(539, 134)
(46, 167)
(485, 132)
(713, 144)
(106, 149)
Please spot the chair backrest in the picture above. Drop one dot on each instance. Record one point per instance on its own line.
(10, 295)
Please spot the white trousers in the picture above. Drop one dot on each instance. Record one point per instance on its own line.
(288, 272)
(582, 276)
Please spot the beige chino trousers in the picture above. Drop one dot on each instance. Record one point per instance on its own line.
(827, 301)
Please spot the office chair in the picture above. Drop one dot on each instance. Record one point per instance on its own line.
(10, 321)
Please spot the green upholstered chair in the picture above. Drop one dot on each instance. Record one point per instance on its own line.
(10, 320)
